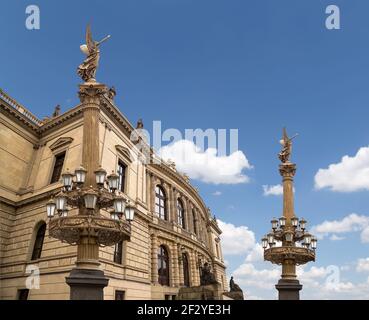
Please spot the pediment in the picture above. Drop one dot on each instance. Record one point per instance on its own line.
(123, 151)
(61, 143)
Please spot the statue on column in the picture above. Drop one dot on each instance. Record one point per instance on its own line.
(87, 70)
(286, 143)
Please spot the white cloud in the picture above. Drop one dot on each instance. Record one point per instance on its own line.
(206, 165)
(236, 240)
(275, 190)
(351, 174)
(248, 275)
(365, 235)
(351, 223)
(334, 237)
(362, 265)
(256, 254)
(217, 193)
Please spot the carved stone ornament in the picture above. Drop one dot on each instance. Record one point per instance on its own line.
(299, 255)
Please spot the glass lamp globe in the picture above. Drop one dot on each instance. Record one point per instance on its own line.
(270, 237)
(119, 204)
(282, 221)
(113, 180)
(129, 213)
(307, 239)
(264, 242)
(50, 208)
(61, 202)
(67, 178)
(314, 243)
(274, 223)
(100, 175)
(294, 221)
(90, 198)
(80, 174)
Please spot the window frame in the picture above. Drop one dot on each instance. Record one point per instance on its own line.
(38, 242)
(181, 214)
(119, 292)
(163, 255)
(122, 186)
(52, 180)
(160, 204)
(118, 249)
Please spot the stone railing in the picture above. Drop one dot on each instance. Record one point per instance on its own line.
(21, 109)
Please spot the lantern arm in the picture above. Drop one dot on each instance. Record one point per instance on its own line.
(299, 235)
(278, 234)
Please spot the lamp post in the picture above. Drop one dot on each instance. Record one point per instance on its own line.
(88, 229)
(288, 243)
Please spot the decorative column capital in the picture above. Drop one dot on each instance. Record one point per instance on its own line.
(287, 170)
(91, 93)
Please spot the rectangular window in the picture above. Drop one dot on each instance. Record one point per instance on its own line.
(118, 252)
(23, 294)
(58, 167)
(120, 295)
(122, 175)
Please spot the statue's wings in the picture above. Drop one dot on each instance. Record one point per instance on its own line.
(89, 41)
(285, 136)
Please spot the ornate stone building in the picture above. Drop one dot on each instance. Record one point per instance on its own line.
(173, 232)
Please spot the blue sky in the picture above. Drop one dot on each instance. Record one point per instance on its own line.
(251, 65)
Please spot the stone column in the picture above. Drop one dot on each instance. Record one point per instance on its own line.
(175, 265)
(87, 281)
(193, 268)
(180, 266)
(188, 216)
(152, 194)
(172, 205)
(288, 286)
(154, 259)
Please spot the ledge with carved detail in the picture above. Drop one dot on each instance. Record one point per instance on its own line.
(106, 231)
(299, 255)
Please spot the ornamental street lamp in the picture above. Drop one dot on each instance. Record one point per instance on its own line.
(88, 229)
(295, 245)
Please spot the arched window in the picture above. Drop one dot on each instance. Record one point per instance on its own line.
(194, 220)
(160, 203)
(186, 270)
(39, 241)
(180, 213)
(163, 266)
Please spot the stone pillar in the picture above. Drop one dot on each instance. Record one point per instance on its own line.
(176, 265)
(195, 271)
(86, 281)
(188, 216)
(287, 171)
(154, 259)
(152, 194)
(180, 266)
(172, 205)
(288, 286)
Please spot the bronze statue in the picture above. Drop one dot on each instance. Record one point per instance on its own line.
(112, 93)
(207, 277)
(56, 112)
(233, 286)
(87, 69)
(286, 142)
